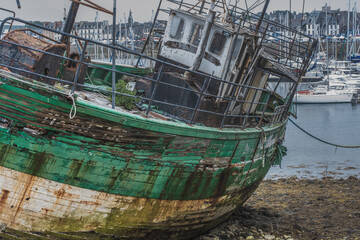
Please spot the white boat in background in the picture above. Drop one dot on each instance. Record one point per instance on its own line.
(336, 93)
(315, 75)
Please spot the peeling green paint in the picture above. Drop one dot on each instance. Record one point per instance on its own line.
(154, 161)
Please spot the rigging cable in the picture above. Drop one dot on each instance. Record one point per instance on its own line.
(321, 140)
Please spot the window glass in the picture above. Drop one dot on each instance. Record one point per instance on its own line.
(218, 44)
(238, 45)
(177, 28)
(195, 34)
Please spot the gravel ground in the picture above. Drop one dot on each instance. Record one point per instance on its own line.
(296, 209)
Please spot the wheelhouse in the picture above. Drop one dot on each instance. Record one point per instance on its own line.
(182, 40)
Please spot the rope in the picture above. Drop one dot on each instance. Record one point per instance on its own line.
(73, 108)
(263, 141)
(323, 141)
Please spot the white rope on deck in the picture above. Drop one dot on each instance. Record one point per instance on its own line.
(72, 113)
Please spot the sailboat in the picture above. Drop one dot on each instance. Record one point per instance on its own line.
(335, 93)
(332, 91)
(166, 155)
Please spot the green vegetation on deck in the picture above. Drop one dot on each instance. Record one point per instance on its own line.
(99, 76)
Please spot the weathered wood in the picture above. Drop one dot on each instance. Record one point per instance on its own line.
(111, 172)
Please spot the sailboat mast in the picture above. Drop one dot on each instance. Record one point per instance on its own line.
(327, 45)
(348, 31)
(113, 55)
(290, 14)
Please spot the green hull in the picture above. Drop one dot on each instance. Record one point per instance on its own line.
(202, 173)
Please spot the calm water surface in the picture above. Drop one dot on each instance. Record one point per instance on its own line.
(336, 123)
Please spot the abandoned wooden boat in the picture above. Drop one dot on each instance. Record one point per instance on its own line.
(170, 154)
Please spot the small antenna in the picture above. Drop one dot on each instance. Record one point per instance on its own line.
(64, 10)
(18, 4)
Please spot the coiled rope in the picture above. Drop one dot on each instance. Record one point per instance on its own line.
(321, 140)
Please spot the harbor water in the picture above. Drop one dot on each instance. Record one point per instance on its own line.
(309, 158)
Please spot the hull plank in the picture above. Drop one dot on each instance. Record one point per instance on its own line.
(36, 204)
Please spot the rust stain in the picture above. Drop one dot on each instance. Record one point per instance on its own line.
(37, 162)
(223, 179)
(3, 153)
(114, 175)
(25, 192)
(45, 210)
(74, 171)
(4, 68)
(252, 162)
(3, 199)
(35, 166)
(192, 183)
(161, 117)
(90, 203)
(60, 193)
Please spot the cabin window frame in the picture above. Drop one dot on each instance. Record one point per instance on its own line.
(218, 53)
(238, 42)
(177, 29)
(199, 36)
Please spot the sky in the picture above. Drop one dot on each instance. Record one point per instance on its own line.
(53, 10)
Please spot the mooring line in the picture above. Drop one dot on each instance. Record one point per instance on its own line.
(321, 140)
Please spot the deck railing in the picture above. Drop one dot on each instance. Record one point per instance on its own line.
(288, 46)
(227, 119)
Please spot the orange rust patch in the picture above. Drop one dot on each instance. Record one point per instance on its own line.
(155, 115)
(45, 210)
(4, 68)
(62, 194)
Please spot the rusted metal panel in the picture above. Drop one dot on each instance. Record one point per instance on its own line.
(31, 60)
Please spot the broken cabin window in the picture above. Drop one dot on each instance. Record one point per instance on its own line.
(177, 28)
(238, 45)
(218, 44)
(195, 34)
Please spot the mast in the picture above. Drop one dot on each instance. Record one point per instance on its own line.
(327, 46)
(113, 56)
(348, 31)
(70, 20)
(353, 42)
(96, 34)
(262, 15)
(290, 15)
